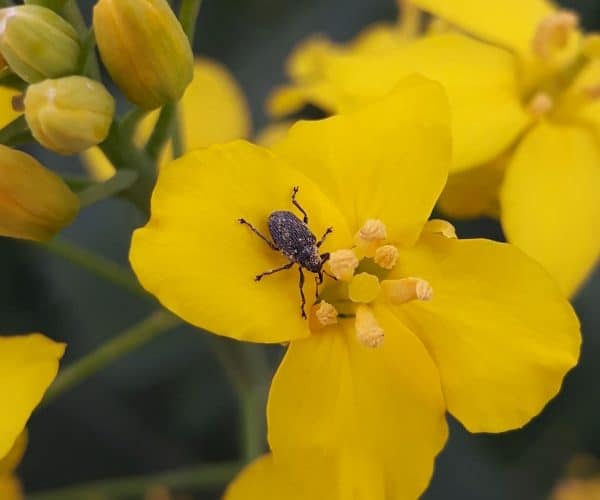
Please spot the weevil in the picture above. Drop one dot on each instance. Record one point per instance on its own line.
(292, 238)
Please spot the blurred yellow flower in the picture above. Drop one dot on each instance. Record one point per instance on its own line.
(35, 203)
(28, 365)
(10, 486)
(532, 111)
(418, 324)
(212, 110)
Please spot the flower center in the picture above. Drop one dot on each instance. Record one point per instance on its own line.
(560, 60)
(362, 278)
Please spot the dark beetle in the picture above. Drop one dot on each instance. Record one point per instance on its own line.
(293, 238)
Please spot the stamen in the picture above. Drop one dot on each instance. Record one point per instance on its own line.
(371, 236)
(386, 256)
(440, 226)
(368, 331)
(322, 315)
(342, 264)
(406, 290)
(364, 288)
(553, 33)
(541, 104)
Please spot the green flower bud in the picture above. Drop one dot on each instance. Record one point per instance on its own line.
(34, 202)
(70, 114)
(37, 43)
(144, 49)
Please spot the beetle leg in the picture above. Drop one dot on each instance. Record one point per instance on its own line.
(260, 276)
(318, 282)
(328, 231)
(259, 234)
(301, 285)
(297, 205)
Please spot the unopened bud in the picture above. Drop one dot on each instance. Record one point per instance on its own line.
(368, 331)
(37, 43)
(34, 203)
(70, 114)
(406, 290)
(144, 49)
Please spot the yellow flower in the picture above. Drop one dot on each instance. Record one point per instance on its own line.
(10, 486)
(28, 365)
(548, 198)
(212, 110)
(357, 407)
(34, 202)
(531, 111)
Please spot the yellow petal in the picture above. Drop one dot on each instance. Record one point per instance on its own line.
(474, 192)
(97, 164)
(510, 23)
(549, 201)
(499, 329)
(200, 261)
(10, 488)
(363, 422)
(28, 365)
(10, 462)
(7, 113)
(387, 161)
(263, 479)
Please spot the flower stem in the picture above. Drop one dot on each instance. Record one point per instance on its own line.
(188, 13)
(248, 369)
(122, 180)
(163, 130)
(158, 322)
(96, 264)
(201, 476)
(15, 133)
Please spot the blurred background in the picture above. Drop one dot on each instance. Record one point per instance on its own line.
(170, 404)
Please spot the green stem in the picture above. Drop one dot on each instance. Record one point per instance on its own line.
(248, 370)
(72, 13)
(16, 132)
(127, 341)
(122, 180)
(54, 5)
(188, 13)
(202, 476)
(163, 130)
(123, 154)
(177, 137)
(96, 264)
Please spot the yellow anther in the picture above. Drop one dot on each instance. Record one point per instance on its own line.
(342, 264)
(370, 236)
(386, 256)
(541, 104)
(406, 290)
(368, 331)
(364, 288)
(553, 33)
(591, 46)
(322, 315)
(440, 226)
